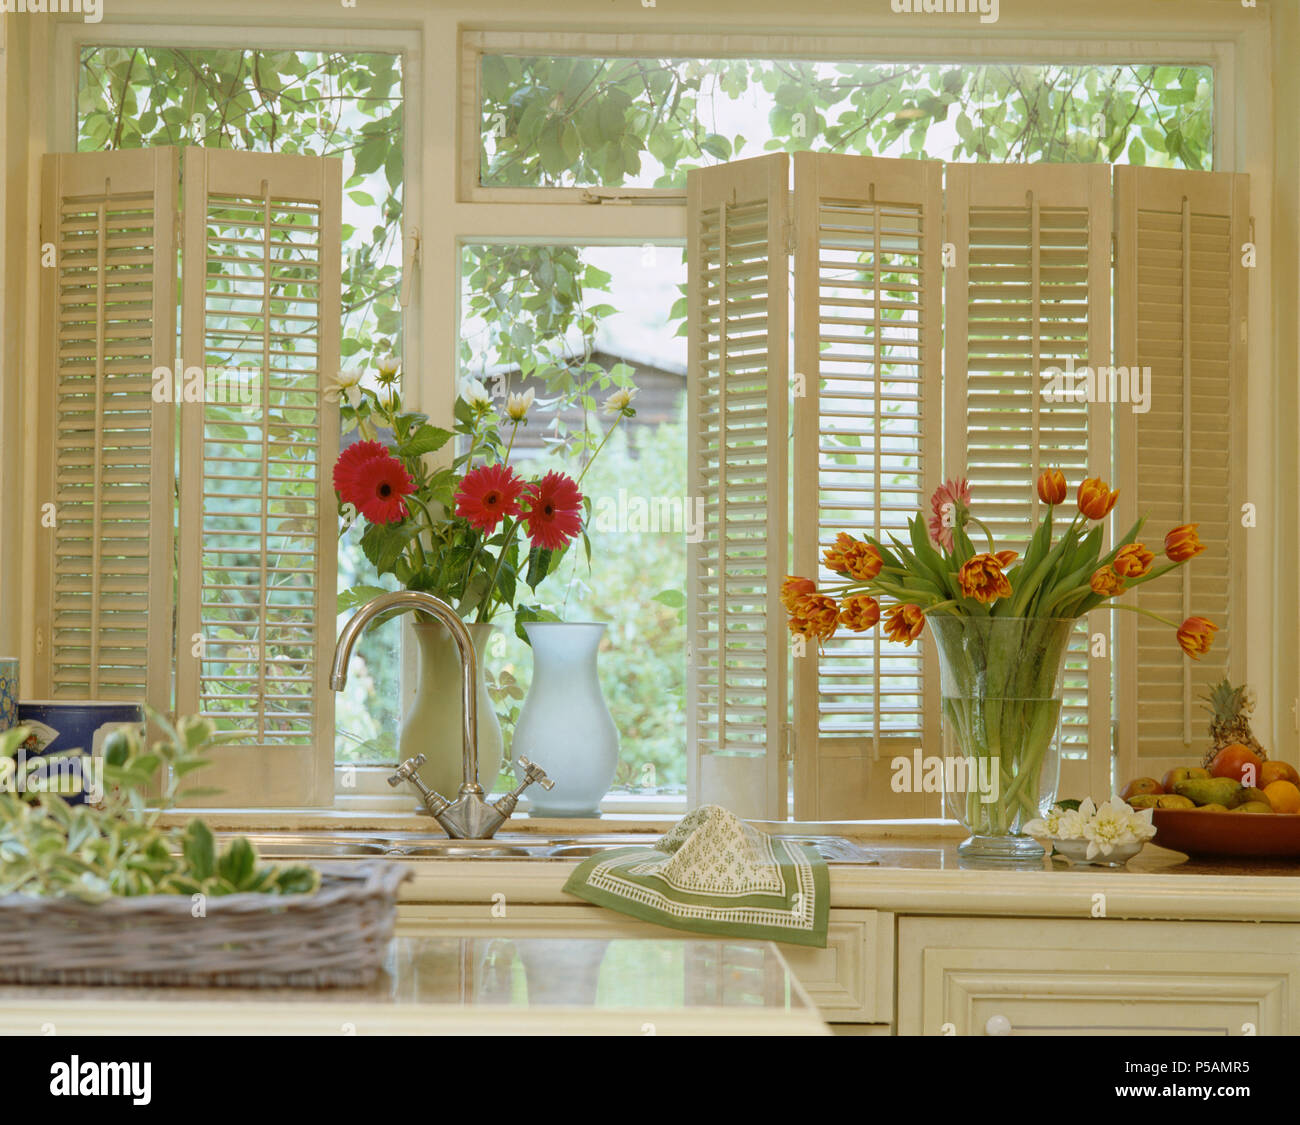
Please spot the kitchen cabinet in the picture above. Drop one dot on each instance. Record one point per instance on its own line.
(919, 944)
(998, 976)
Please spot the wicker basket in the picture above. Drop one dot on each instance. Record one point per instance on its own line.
(334, 938)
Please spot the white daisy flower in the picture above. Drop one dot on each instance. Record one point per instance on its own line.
(475, 393)
(620, 401)
(518, 405)
(342, 385)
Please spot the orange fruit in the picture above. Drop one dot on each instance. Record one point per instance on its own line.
(1283, 795)
(1278, 771)
(1237, 762)
(1140, 785)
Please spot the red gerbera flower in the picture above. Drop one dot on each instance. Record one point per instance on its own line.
(373, 481)
(489, 494)
(554, 513)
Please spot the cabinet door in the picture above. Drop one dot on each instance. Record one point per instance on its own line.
(850, 981)
(988, 976)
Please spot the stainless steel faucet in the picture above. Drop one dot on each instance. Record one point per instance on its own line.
(470, 816)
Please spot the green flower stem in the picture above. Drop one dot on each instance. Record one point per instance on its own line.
(988, 535)
(484, 606)
(608, 434)
(1147, 613)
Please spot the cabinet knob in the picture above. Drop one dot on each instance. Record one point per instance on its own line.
(997, 1025)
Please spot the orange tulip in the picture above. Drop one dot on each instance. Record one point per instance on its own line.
(854, 558)
(1182, 544)
(1096, 499)
(794, 588)
(1051, 486)
(904, 623)
(1106, 582)
(1132, 560)
(1006, 558)
(815, 615)
(859, 612)
(981, 578)
(1195, 635)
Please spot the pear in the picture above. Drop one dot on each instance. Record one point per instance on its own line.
(1174, 801)
(1146, 801)
(1244, 794)
(1254, 807)
(1209, 790)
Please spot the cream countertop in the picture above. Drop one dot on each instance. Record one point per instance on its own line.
(467, 985)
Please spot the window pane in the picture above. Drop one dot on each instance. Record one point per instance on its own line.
(607, 318)
(569, 121)
(345, 104)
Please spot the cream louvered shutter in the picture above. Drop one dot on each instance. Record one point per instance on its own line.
(257, 555)
(1028, 292)
(738, 388)
(867, 436)
(104, 587)
(1180, 309)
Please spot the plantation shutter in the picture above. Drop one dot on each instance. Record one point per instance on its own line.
(104, 586)
(1180, 302)
(867, 437)
(1029, 292)
(737, 418)
(258, 555)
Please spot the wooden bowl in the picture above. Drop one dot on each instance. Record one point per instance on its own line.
(1228, 833)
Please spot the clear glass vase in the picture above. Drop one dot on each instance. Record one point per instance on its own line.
(1000, 682)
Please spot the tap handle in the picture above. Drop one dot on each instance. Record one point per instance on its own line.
(406, 771)
(534, 772)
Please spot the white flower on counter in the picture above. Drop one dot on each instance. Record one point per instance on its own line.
(1113, 824)
(1116, 823)
(388, 368)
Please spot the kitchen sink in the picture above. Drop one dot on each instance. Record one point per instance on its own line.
(282, 846)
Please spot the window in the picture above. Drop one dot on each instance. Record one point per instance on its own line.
(578, 121)
(570, 323)
(329, 103)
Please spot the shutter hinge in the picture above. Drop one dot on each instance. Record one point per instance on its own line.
(1114, 250)
(179, 229)
(789, 742)
(789, 237)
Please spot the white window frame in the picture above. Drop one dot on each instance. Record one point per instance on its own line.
(438, 41)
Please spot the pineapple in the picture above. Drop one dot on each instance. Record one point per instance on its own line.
(1230, 706)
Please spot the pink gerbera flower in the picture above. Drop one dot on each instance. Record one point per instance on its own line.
(554, 513)
(949, 504)
(489, 494)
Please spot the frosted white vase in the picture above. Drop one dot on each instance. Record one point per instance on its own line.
(565, 725)
(432, 725)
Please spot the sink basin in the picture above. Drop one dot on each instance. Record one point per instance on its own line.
(580, 851)
(284, 845)
(461, 849)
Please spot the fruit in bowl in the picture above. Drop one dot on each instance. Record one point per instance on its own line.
(1235, 776)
